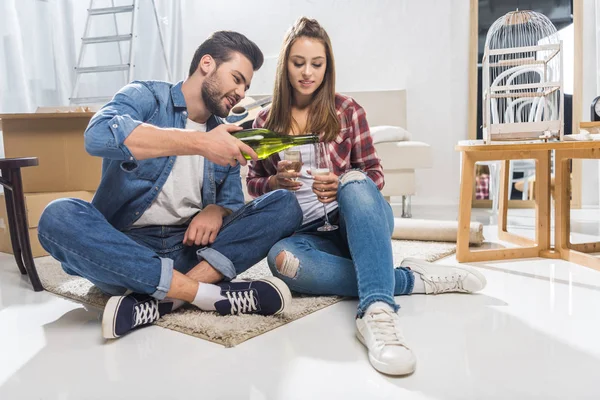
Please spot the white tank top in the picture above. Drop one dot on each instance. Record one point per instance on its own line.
(312, 208)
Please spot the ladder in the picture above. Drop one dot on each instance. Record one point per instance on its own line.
(127, 66)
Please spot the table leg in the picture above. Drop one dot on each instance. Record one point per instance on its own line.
(464, 207)
(562, 202)
(542, 200)
(503, 194)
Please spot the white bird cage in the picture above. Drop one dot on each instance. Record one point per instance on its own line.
(522, 79)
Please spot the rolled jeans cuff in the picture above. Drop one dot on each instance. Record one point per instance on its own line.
(218, 261)
(166, 276)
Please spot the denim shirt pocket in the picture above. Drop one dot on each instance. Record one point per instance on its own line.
(150, 169)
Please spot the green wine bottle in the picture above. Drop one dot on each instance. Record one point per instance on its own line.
(265, 142)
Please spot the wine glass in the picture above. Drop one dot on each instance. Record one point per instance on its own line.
(323, 167)
(295, 157)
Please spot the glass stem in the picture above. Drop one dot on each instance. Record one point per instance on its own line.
(326, 216)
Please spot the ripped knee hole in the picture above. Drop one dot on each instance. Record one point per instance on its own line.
(352, 176)
(287, 264)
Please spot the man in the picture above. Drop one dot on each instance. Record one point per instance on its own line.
(168, 220)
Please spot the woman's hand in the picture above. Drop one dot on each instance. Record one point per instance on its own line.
(284, 177)
(325, 187)
(204, 227)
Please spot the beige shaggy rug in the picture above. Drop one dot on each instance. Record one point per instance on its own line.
(231, 330)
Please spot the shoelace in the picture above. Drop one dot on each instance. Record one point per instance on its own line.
(146, 313)
(383, 326)
(442, 284)
(241, 302)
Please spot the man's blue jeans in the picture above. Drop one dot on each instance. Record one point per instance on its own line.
(143, 259)
(355, 260)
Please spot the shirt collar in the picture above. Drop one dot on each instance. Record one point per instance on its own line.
(177, 95)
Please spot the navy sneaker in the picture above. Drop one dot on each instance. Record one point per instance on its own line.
(126, 313)
(269, 296)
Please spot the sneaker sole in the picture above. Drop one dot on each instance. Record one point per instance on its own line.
(385, 368)
(480, 277)
(109, 317)
(283, 291)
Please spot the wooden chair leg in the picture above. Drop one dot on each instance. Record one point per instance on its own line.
(23, 229)
(14, 236)
(12, 226)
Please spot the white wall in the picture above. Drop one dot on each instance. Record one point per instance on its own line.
(437, 84)
(420, 46)
(367, 36)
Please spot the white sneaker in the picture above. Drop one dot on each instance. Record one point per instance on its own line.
(379, 330)
(439, 278)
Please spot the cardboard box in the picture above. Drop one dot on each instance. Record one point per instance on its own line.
(57, 140)
(6, 245)
(35, 204)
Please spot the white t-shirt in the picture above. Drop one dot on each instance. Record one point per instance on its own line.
(181, 196)
(312, 208)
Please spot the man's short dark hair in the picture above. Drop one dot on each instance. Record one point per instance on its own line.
(220, 46)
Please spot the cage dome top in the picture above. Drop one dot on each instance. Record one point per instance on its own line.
(521, 29)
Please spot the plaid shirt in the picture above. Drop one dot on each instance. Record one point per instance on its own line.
(352, 148)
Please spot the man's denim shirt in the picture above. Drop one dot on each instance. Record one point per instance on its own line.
(128, 186)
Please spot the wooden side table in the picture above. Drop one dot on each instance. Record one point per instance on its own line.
(477, 151)
(17, 215)
(541, 246)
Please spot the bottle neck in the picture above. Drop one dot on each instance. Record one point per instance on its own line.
(306, 139)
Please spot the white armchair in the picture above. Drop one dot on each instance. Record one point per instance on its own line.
(400, 157)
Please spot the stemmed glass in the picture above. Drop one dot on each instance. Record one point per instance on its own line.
(295, 158)
(323, 167)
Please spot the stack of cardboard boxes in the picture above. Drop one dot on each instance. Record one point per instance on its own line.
(65, 169)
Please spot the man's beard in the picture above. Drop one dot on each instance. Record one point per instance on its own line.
(212, 97)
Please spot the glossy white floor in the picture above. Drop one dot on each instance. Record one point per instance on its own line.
(532, 334)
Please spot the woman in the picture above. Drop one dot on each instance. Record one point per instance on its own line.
(356, 259)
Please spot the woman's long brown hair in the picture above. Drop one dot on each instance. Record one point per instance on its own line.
(322, 116)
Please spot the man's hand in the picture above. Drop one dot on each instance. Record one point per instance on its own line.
(325, 187)
(284, 177)
(205, 226)
(220, 147)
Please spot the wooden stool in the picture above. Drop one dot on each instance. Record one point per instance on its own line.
(540, 247)
(474, 152)
(17, 215)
